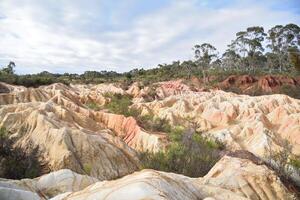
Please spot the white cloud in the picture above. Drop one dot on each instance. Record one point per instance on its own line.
(38, 38)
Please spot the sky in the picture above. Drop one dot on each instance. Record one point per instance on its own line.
(78, 35)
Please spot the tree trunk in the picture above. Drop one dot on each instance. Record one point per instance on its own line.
(204, 77)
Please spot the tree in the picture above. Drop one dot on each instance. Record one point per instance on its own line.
(281, 40)
(273, 60)
(290, 36)
(249, 43)
(128, 76)
(231, 59)
(294, 59)
(205, 54)
(9, 69)
(275, 44)
(189, 67)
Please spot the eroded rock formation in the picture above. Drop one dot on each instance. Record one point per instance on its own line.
(231, 178)
(241, 121)
(69, 135)
(263, 84)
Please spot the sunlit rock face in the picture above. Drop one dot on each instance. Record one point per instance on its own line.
(150, 184)
(230, 178)
(64, 142)
(241, 121)
(247, 179)
(46, 186)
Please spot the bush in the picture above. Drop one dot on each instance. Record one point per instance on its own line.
(279, 158)
(151, 123)
(295, 163)
(15, 163)
(93, 106)
(290, 90)
(119, 104)
(188, 153)
(87, 169)
(151, 94)
(282, 160)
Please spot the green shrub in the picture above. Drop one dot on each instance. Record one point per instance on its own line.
(15, 163)
(290, 90)
(151, 94)
(188, 153)
(119, 104)
(93, 106)
(295, 162)
(151, 123)
(87, 169)
(281, 160)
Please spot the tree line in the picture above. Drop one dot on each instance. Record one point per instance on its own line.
(252, 51)
(254, 48)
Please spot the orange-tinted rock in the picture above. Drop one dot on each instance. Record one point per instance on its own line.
(263, 84)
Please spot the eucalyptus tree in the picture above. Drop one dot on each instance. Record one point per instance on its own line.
(294, 59)
(282, 39)
(231, 59)
(9, 69)
(190, 68)
(273, 61)
(204, 55)
(249, 45)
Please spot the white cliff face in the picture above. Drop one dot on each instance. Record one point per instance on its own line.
(231, 178)
(247, 179)
(150, 184)
(46, 186)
